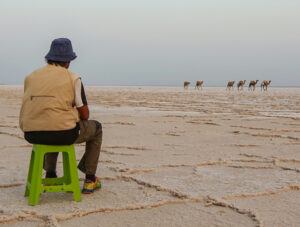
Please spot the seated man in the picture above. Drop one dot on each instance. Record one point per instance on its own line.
(48, 114)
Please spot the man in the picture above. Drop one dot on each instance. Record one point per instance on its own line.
(55, 112)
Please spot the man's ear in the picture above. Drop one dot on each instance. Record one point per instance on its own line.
(67, 65)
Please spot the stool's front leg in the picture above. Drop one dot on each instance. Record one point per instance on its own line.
(36, 179)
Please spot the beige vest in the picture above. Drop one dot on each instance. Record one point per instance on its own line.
(48, 102)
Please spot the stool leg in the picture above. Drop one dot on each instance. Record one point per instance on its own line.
(66, 166)
(29, 175)
(74, 176)
(36, 179)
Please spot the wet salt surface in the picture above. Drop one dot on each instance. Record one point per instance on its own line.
(143, 111)
(229, 161)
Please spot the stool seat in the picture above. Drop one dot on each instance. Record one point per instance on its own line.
(68, 183)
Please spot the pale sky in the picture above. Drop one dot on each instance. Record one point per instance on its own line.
(155, 42)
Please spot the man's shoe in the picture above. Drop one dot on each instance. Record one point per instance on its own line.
(90, 186)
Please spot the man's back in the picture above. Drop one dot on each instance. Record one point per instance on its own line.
(48, 100)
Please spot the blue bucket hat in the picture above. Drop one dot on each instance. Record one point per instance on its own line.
(61, 50)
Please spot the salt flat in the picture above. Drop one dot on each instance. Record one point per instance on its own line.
(170, 157)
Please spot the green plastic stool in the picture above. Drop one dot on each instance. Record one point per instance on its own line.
(68, 183)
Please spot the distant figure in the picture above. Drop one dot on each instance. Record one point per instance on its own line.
(252, 85)
(199, 84)
(264, 85)
(241, 84)
(230, 85)
(186, 84)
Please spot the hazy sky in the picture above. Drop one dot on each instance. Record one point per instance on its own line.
(155, 42)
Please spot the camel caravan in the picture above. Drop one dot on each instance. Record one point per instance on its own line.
(251, 86)
(240, 85)
(230, 85)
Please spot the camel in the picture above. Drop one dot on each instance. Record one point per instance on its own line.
(264, 85)
(252, 85)
(241, 84)
(186, 84)
(230, 85)
(199, 84)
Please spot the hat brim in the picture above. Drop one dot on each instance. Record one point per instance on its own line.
(60, 58)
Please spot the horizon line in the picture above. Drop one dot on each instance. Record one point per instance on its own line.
(208, 86)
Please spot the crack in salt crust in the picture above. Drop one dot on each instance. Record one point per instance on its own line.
(266, 135)
(265, 129)
(118, 123)
(174, 193)
(266, 193)
(254, 216)
(8, 126)
(127, 147)
(252, 160)
(197, 164)
(245, 145)
(251, 167)
(116, 153)
(22, 216)
(9, 185)
(12, 134)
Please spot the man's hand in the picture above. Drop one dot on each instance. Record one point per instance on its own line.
(84, 112)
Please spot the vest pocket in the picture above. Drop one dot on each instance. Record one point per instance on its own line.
(41, 96)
